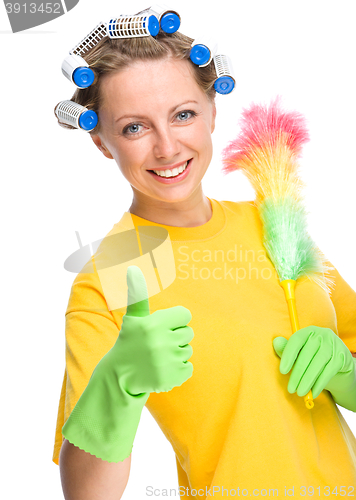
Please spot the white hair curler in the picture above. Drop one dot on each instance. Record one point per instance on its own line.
(77, 70)
(98, 33)
(133, 26)
(74, 67)
(75, 114)
(169, 19)
(203, 50)
(225, 82)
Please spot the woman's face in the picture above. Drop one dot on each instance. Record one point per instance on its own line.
(156, 117)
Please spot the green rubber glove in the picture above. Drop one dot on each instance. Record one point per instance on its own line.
(149, 355)
(320, 360)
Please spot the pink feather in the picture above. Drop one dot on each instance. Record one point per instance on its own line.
(263, 127)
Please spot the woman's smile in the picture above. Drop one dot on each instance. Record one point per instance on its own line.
(169, 176)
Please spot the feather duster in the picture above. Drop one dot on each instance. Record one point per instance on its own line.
(267, 151)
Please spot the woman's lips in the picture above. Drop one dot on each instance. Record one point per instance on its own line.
(171, 180)
(171, 167)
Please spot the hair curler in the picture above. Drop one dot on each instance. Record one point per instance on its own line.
(74, 67)
(225, 82)
(133, 26)
(94, 37)
(169, 19)
(77, 70)
(203, 50)
(78, 116)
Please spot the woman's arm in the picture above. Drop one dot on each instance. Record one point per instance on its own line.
(86, 477)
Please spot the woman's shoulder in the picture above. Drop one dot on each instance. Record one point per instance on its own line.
(242, 208)
(242, 214)
(238, 205)
(86, 293)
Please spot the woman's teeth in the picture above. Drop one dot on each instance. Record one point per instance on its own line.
(171, 173)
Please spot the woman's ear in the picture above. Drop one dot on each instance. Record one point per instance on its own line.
(101, 146)
(213, 117)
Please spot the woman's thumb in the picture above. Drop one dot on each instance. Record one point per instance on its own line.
(279, 344)
(137, 295)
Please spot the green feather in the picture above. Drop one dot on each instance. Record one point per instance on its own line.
(288, 244)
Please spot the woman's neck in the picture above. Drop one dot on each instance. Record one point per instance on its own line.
(192, 212)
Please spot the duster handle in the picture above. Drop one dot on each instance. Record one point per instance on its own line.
(289, 287)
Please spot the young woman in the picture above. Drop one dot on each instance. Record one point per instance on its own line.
(228, 412)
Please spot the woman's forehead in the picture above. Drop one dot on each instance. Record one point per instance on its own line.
(146, 80)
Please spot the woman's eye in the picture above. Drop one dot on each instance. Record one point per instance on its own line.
(183, 116)
(132, 129)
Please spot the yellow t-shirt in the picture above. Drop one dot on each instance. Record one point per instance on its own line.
(233, 425)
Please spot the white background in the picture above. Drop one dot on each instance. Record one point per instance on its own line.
(55, 182)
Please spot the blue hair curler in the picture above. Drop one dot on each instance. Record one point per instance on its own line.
(224, 85)
(75, 114)
(133, 26)
(169, 19)
(77, 70)
(74, 66)
(202, 51)
(83, 77)
(200, 54)
(170, 22)
(88, 120)
(225, 82)
(153, 25)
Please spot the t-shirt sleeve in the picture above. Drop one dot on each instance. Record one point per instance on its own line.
(343, 298)
(90, 332)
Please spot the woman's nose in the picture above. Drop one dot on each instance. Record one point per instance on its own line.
(166, 144)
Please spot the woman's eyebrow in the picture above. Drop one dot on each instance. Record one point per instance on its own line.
(140, 117)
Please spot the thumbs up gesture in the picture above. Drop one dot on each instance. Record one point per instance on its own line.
(152, 350)
(150, 355)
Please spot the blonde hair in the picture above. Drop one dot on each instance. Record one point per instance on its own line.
(113, 54)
